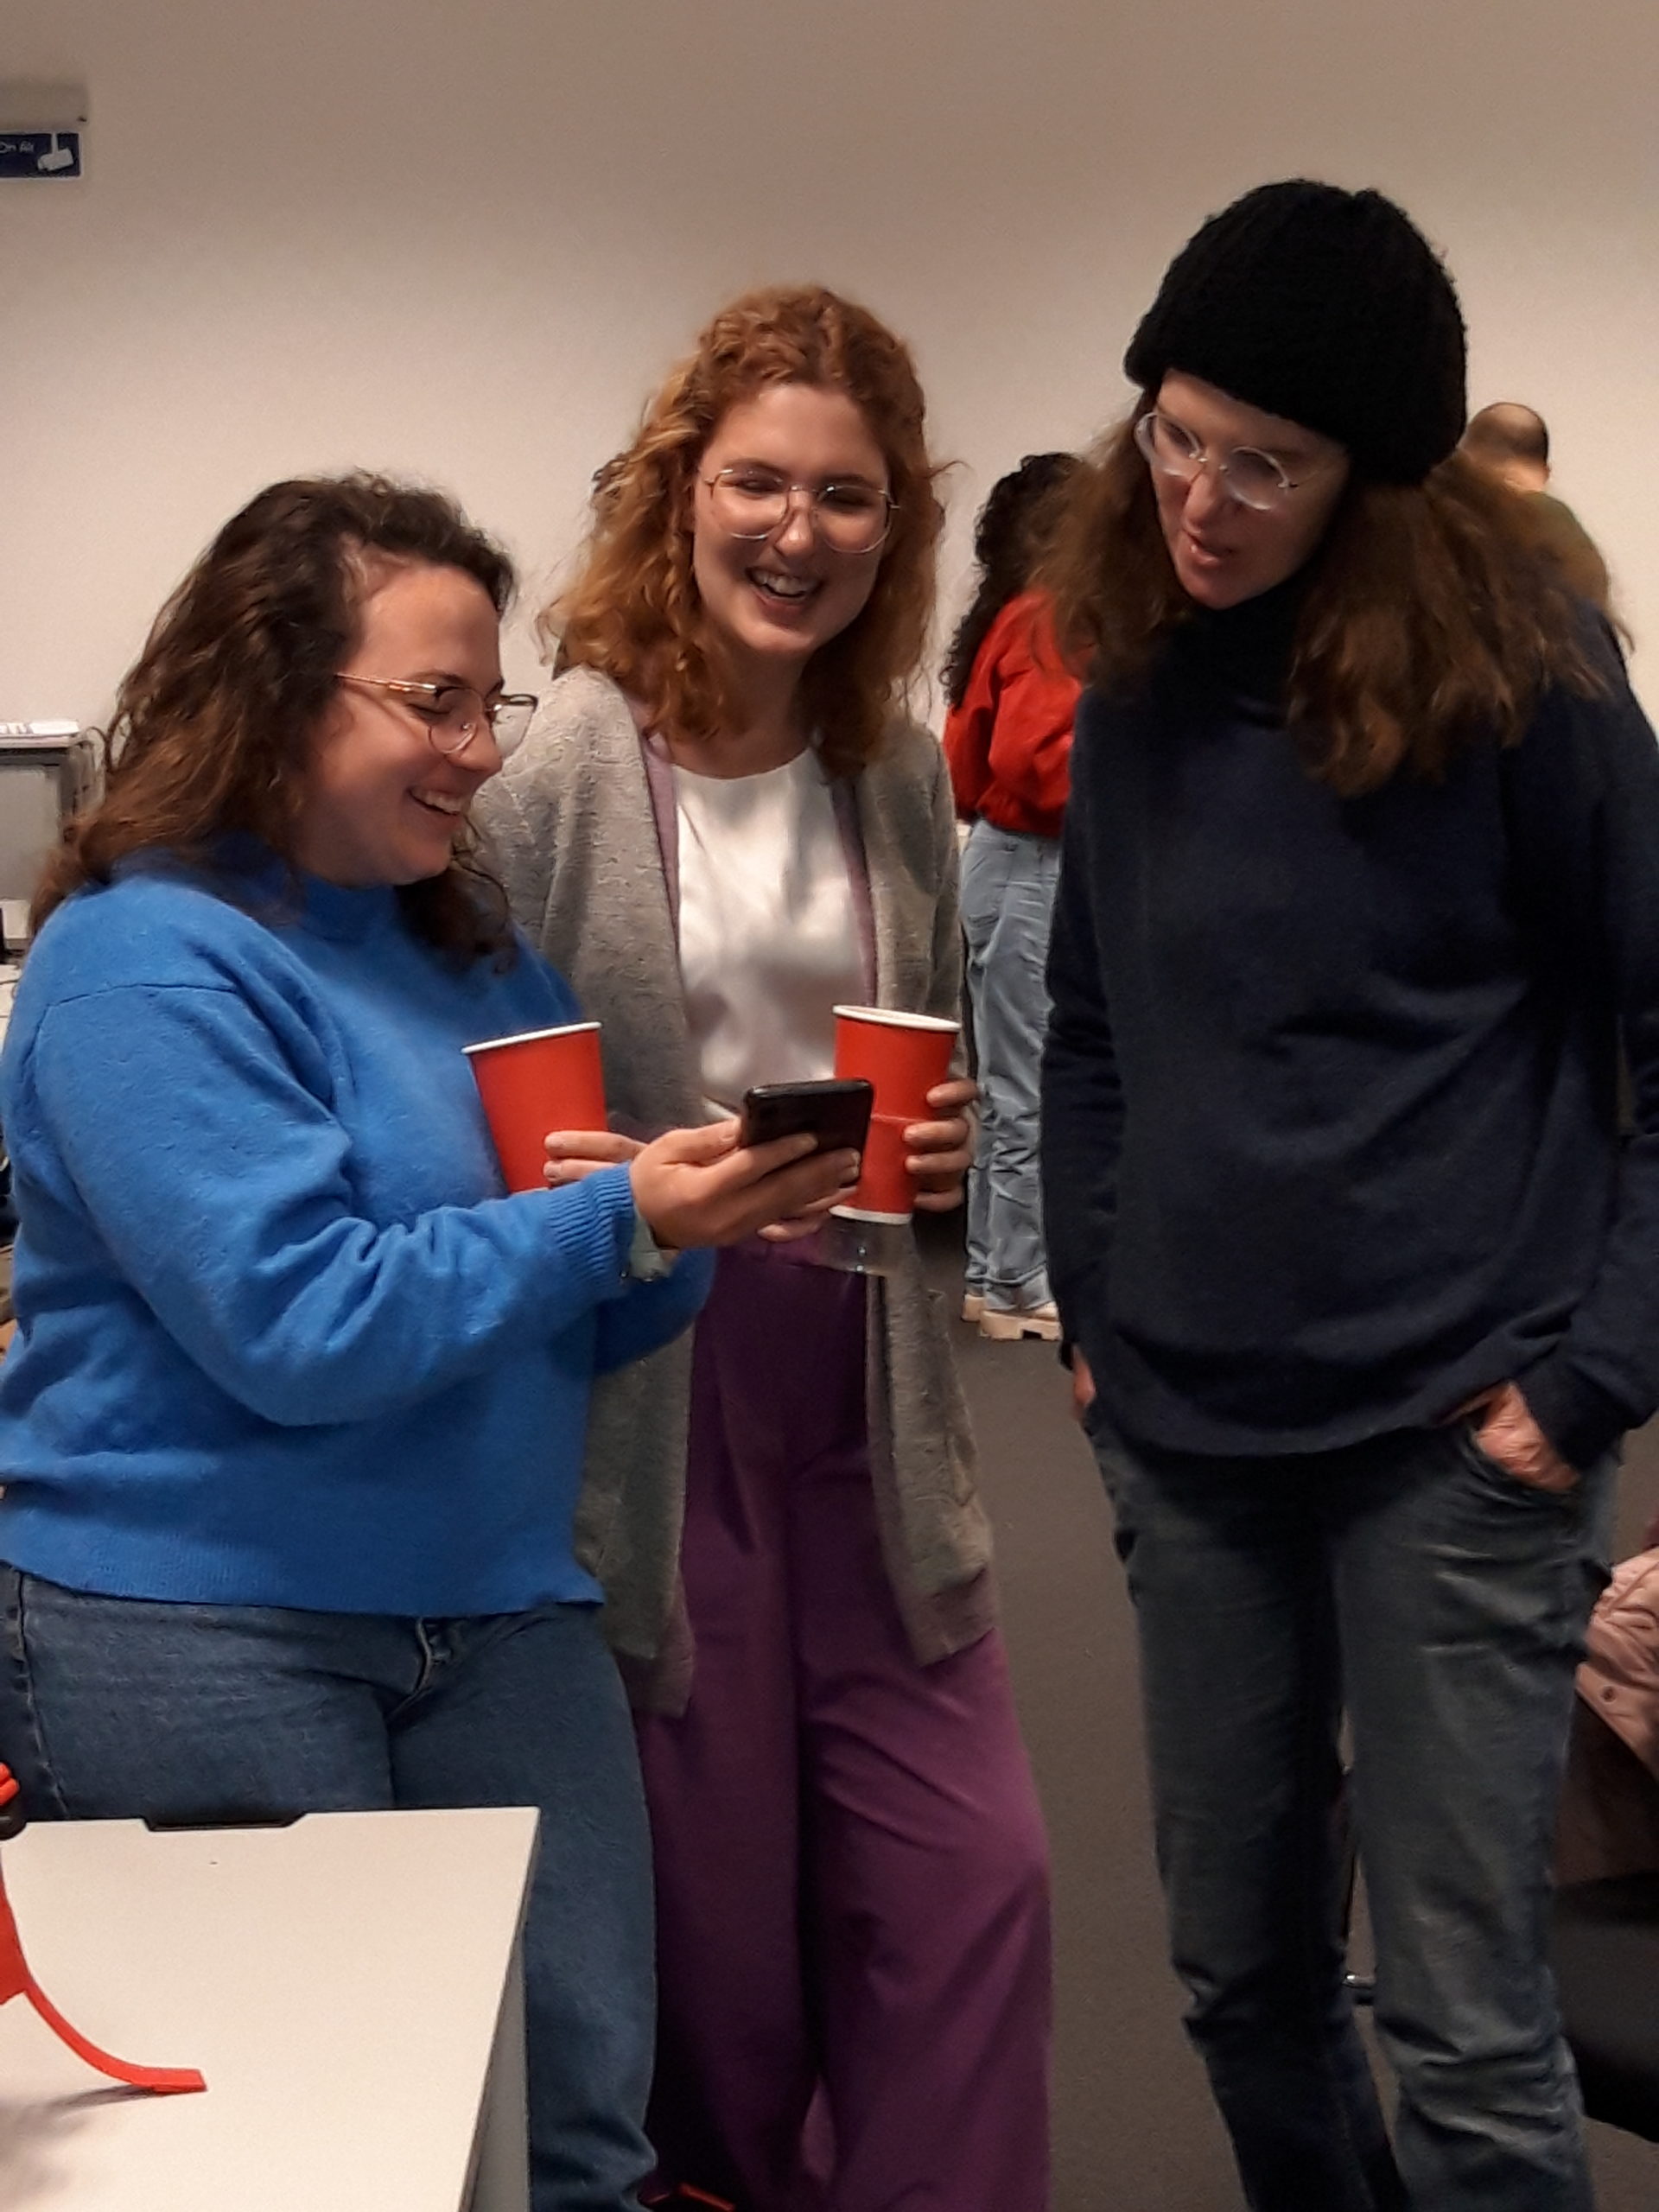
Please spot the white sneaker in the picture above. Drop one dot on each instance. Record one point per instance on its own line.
(1007, 1324)
(973, 1304)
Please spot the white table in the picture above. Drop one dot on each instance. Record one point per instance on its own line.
(349, 1986)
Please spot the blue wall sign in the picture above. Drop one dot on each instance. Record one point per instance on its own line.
(40, 153)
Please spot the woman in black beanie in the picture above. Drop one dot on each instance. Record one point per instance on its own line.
(1360, 893)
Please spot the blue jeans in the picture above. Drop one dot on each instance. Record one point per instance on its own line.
(1414, 1582)
(123, 1707)
(1007, 904)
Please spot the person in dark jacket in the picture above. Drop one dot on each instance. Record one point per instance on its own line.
(1359, 894)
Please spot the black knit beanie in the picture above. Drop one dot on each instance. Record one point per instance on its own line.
(1329, 307)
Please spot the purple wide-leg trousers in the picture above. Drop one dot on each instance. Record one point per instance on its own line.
(851, 1869)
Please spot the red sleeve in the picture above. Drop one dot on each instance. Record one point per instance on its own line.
(1030, 750)
(967, 729)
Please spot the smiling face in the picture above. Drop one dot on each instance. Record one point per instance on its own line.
(1224, 552)
(775, 600)
(381, 805)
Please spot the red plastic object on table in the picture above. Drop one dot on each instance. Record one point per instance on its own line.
(16, 1980)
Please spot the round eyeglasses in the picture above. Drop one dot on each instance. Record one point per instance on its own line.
(849, 518)
(1255, 478)
(453, 714)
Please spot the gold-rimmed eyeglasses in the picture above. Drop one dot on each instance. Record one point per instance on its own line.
(1255, 478)
(453, 714)
(849, 515)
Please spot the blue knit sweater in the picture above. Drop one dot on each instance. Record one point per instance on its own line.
(281, 1339)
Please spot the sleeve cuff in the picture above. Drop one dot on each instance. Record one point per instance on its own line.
(1580, 1419)
(647, 1261)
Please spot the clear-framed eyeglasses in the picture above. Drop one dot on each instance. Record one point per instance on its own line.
(850, 516)
(1255, 478)
(453, 714)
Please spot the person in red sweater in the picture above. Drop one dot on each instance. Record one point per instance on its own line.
(1008, 742)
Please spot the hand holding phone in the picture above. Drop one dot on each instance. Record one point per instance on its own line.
(836, 1111)
(700, 1187)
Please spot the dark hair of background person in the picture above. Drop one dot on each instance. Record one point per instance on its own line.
(632, 610)
(1433, 617)
(1011, 534)
(212, 725)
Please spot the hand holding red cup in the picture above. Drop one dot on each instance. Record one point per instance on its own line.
(904, 1056)
(544, 1079)
(692, 1186)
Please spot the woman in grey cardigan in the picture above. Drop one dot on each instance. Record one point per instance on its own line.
(719, 828)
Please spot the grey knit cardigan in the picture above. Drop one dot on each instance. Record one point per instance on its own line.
(570, 826)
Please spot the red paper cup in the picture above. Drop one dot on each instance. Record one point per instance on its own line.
(544, 1079)
(903, 1055)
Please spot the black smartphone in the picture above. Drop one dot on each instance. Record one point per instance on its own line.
(837, 1111)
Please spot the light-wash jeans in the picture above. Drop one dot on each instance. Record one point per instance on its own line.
(1415, 1583)
(124, 1707)
(1008, 883)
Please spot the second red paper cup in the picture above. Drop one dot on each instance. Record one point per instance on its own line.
(903, 1055)
(544, 1079)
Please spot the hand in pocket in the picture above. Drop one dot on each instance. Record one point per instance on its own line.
(1506, 1432)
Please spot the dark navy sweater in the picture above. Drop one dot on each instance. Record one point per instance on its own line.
(1330, 1134)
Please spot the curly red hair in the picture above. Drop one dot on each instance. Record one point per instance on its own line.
(632, 609)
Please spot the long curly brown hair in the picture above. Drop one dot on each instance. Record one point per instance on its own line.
(214, 723)
(632, 609)
(1432, 615)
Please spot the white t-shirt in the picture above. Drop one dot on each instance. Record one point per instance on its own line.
(768, 931)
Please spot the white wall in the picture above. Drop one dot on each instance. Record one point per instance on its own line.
(461, 238)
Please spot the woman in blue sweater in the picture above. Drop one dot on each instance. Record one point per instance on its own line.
(1359, 896)
(292, 1429)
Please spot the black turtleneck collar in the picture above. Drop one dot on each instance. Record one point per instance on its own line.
(1244, 652)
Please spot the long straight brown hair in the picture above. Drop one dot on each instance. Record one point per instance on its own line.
(1432, 617)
